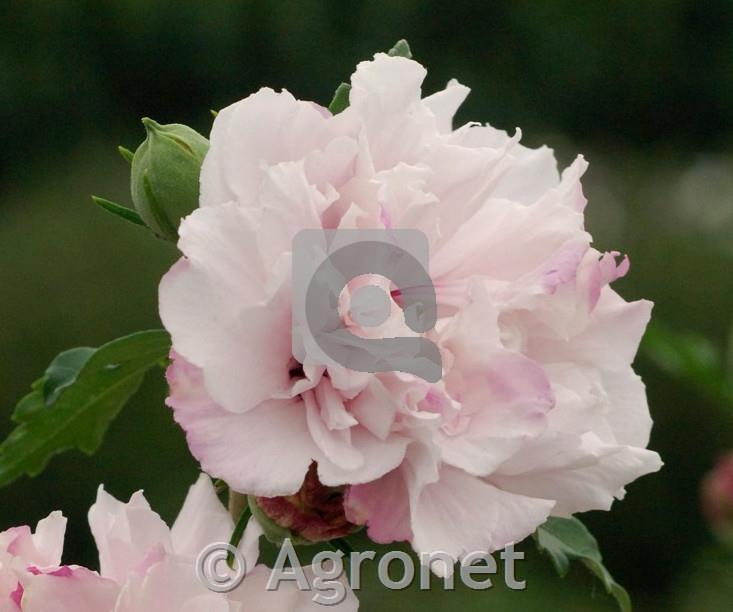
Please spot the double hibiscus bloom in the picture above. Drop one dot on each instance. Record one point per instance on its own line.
(538, 412)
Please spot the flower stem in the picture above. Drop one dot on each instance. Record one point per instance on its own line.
(238, 532)
(237, 504)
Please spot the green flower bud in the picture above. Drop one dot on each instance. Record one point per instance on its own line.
(165, 175)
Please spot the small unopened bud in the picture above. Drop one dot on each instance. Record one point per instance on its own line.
(717, 498)
(314, 514)
(165, 175)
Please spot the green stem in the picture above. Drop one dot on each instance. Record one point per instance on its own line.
(238, 533)
(342, 545)
(237, 504)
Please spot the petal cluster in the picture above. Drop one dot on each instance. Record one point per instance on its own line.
(538, 412)
(145, 566)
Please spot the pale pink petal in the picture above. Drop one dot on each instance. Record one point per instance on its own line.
(385, 87)
(49, 539)
(610, 340)
(249, 546)
(169, 586)
(385, 95)
(580, 473)
(375, 409)
(240, 375)
(461, 513)
(504, 396)
(348, 382)
(331, 407)
(505, 240)
(528, 178)
(629, 416)
(272, 445)
(126, 534)
(42, 548)
(214, 241)
(383, 506)
(289, 204)
(580, 401)
(254, 596)
(264, 129)
(378, 458)
(334, 444)
(70, 589)
(245, 318)
(202, 520)
(445, 103)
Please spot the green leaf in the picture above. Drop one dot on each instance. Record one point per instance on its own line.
(340, 100)
(63, 371)
(126, 154)
(72, 405)
(566, 540)
(128, 214)
(689, 357)
(401, 49)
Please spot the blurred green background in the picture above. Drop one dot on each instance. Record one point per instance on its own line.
(643, 89)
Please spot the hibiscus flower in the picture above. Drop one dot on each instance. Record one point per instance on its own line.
(538, 412)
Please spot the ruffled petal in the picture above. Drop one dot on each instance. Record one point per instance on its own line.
(69, 589)
(581, 473)
(265, 451)
(202, 520)
(460, 513)
(126, 534)
(264, 129)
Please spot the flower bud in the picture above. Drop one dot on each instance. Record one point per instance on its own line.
(165, 175)
(717, 498)
(314, 514)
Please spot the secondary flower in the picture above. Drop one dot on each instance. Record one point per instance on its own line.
(538, 412)
(24, 553)
(145, 566)
(717, 497)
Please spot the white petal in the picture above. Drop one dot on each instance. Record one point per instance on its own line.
(202, 520)
(265, 451)
(125, 534)
(445, 103)
(375, 409)
(581, 473)
(461, 513)
(335, 444)
(383, 506)
(379, 457)
(69, 589)
(262, 130)
(609, 341)
(169, 586)
(628, 414)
